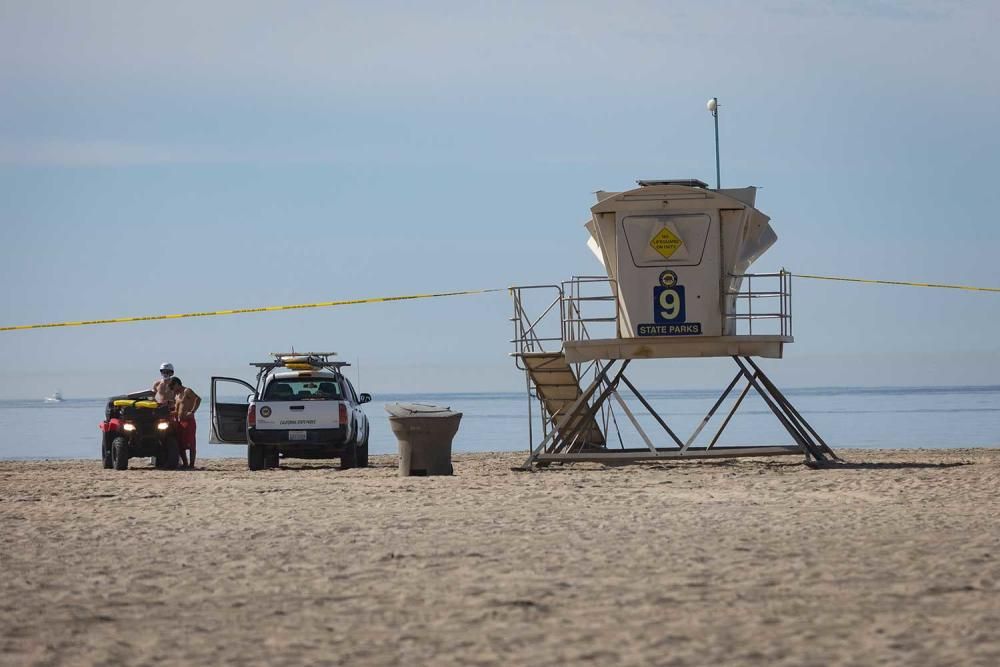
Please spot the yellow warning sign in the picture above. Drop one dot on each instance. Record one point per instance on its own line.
(666, 242)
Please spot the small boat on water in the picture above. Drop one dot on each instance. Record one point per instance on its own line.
(56, 397)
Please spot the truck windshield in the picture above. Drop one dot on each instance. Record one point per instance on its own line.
(306, 389)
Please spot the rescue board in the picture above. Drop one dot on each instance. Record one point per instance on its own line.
(129, 403)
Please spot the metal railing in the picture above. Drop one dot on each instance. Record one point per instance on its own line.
(588, 307)
(773, 301)
(534, 334)
(580, 291)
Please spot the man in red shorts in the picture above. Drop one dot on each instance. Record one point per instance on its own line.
(186, 403)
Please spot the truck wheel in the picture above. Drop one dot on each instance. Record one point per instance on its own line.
(119, 453)
(106, 459)
(169, 454)
(256, 457)
(272, 458)
(363, 454)
(349, 457)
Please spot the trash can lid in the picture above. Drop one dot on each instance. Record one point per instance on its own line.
(419, 410)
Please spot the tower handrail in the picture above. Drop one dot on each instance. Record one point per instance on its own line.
(574, 321)
(526, 338)
(576, 308)
(745, 293)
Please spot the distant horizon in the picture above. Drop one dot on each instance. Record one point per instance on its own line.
(625, 392)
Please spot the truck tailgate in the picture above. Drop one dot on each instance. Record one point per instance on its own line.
(285, 415)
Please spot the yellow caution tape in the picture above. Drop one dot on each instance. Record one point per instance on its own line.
(242, 311)
(897, 282)
(409, 297)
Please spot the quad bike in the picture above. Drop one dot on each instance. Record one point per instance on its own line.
(136, 426)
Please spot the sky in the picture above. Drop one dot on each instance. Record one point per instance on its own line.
(165, 157)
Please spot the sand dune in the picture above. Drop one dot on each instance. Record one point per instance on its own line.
(890, 560)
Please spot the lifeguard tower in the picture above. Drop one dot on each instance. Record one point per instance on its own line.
(676, 255)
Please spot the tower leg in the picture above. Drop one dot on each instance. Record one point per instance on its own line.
(584, 414)
(793, 412)
(789, 417)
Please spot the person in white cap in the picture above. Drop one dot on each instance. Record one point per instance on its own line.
(163, 393)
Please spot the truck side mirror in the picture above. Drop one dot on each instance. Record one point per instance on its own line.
(365, 398)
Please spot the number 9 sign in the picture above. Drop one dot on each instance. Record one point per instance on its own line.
(668, 304)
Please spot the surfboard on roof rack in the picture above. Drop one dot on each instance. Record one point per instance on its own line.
(301, 361)
(293, 354)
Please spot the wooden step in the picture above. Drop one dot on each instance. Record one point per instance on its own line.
(558, 388)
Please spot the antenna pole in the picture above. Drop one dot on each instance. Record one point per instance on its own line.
(715, 114)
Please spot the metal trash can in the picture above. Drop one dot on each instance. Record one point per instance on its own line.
(424, 433)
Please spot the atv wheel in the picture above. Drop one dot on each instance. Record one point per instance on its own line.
(170, 453)
(119, 453)
(106, 459)
(349, 458)
(256, 457)
(363, 454)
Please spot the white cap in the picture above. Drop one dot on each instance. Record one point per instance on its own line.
(166, 366)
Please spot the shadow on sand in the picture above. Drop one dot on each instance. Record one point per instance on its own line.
(884, 465)
(303, 467)
(694, 464)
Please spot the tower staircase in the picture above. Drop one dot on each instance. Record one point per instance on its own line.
(558, 390)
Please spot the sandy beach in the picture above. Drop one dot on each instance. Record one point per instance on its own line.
(893, 559)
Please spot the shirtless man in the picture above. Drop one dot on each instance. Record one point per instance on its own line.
(186, 402)
(163, 393)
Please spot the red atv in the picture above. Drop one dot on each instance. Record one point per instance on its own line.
(136, 425)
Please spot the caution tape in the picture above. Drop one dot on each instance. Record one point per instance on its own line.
(897, 282)
(244, 311)
(410, 297)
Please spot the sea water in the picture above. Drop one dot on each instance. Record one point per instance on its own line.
(896, 417)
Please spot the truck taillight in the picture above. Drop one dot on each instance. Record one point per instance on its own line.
(343, 414)
(251, 416)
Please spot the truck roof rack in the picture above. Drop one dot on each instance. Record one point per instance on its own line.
(300, 361)
(293, 353)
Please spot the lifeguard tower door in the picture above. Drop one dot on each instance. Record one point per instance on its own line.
(668, 272)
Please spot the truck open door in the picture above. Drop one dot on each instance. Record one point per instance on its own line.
(229, 419)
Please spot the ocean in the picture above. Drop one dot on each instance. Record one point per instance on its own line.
(889, 417)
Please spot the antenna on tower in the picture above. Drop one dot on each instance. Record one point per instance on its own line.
(713, 107)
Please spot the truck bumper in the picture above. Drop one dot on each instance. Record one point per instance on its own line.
(318, 443)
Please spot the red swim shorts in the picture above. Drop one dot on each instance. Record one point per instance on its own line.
(186, 433)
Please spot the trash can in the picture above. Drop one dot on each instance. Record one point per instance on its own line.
(424, 433)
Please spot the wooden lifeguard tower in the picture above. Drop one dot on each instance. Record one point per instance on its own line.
(676, 255)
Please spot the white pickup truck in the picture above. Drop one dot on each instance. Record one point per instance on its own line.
(302, 407)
